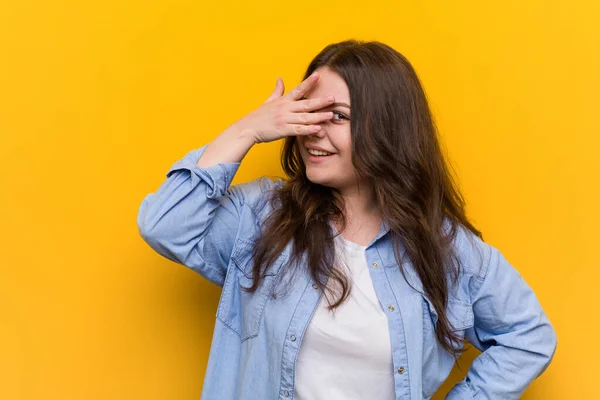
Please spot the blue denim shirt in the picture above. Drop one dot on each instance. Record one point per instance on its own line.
(198, 219)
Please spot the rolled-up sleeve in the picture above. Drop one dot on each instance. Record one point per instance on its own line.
(192, 218)
(512, 331)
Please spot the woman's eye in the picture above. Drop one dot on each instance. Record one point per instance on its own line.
(339, 116)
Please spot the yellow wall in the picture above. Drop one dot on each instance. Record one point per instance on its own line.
(98, 99)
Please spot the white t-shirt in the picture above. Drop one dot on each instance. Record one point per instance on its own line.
(347, 355)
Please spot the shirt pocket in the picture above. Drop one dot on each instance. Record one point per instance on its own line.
(239, 310)
(437, 362)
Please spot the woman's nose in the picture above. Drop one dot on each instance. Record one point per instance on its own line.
(321, 132)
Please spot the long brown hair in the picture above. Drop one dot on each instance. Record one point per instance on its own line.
(395, 148)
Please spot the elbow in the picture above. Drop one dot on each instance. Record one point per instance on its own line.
(553, 345)
(160, 243)
(550, 344)
(152, 233)
(157, 238)
(148, 234)
(151, 236)
(142, 218)
(147, 231)
(148, 224)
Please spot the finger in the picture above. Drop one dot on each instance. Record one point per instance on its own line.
(310, 118)
(307, 105)
(303, 129)
(278, 91)
(303, 87)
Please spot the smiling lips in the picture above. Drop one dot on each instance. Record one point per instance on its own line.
(318, 152)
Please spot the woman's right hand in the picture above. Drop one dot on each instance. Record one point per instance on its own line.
(287, 115)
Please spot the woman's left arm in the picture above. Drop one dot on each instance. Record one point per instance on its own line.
(512, 331)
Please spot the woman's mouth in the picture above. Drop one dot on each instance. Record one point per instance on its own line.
(318, 156)
(315, 152)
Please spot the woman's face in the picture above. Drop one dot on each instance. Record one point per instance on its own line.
(335, 170)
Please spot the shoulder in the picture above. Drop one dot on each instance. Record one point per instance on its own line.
(472, 252)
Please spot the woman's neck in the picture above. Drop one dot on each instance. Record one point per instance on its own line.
(363, 217)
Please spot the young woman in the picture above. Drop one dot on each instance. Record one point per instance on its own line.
(359, 276)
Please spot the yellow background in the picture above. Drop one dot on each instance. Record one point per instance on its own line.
(98, 99)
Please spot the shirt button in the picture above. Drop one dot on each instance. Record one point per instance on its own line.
(293, 338)
(286, 393)
(374, 265)
(315, 286)
(401, 370)
(391, 308)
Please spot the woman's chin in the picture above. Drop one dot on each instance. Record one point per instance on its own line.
(318, 178)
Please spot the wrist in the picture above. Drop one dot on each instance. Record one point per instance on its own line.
(244, 133)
